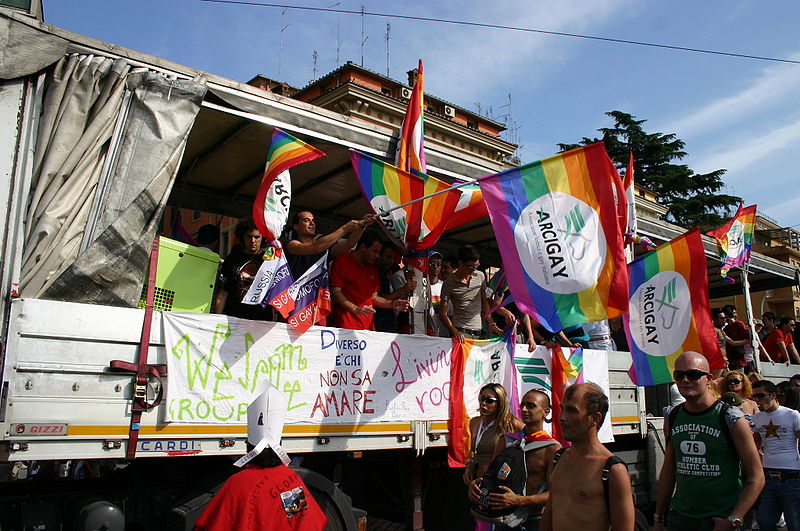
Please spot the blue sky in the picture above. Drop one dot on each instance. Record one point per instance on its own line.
(733, 113)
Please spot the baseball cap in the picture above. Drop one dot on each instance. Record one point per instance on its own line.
(732, 399)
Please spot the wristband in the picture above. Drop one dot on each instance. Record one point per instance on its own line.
(658, 518)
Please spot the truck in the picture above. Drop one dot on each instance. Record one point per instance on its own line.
(97, 140)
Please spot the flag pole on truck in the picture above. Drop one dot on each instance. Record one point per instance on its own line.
(735, 240)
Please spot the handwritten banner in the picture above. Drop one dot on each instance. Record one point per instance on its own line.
(329, 375)
(332, 375)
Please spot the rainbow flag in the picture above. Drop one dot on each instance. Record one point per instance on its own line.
(410, 156)
(669, 311)
(271, 206)
(631, 224)
(465, 360)
(735, 239)
(415, 226)
(557, 228)
(470, 206)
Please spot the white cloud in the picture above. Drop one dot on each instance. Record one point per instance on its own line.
(475, 63)
(767, 91)
(749, 150)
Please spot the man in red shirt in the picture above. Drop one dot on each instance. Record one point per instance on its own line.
(780, 343)
(355, 284)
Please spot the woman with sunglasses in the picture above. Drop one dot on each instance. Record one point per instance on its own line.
(495, 419)
(737, 382)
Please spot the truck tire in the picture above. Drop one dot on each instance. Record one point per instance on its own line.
(336, 505)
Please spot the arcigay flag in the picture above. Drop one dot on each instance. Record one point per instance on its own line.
(669, 311)
(557, 228)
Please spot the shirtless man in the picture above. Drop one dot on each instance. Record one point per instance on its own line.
(534, 409)
(577, 498)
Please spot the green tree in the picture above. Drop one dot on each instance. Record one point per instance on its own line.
(692, 199)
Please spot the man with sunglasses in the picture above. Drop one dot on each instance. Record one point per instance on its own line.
(777, 430)
(708, 444)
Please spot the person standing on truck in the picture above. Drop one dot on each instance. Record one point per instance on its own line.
(780, 343)
(237, 273)
(708, 443)
(465, 291)
(307, 246)
(589, 486)
(355, 284)
(777, 430)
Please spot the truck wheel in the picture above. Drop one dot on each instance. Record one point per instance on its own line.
(336, 505)
(328, 507)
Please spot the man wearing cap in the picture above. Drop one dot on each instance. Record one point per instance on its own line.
(266, 494)
(777, 430)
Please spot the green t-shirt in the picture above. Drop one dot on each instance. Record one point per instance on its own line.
(708, 476)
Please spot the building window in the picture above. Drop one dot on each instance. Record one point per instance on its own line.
(472, 124)
(386, 91)
(196, 215)
(21, 4)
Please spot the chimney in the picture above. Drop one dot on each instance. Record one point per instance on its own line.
(412, 77)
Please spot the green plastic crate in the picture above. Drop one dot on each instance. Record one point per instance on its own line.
(185, 278)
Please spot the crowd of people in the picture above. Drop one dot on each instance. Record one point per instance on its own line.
(371, 285)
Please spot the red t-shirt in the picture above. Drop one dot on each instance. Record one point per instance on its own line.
(263, 498)
(772, 347)
(358, 283)
(737, 331)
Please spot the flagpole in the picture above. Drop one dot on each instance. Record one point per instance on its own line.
(754, 342)
(417, 200)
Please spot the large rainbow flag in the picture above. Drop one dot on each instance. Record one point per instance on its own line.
(735, 239)
(414, 226)
(410, 154)
(669, 311)
(271, 206)
(559, 235)
(494, 360)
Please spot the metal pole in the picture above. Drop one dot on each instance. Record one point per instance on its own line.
(455, 186)
(748, 305)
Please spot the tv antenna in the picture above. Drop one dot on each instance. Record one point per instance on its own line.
(280, 53)
(388, 31)
(364, 36)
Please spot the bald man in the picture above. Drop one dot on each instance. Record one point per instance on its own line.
(707, 446)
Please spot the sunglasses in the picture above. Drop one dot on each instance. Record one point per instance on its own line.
(733, 382)
(487, 399)
(693, 375)
(759, 395)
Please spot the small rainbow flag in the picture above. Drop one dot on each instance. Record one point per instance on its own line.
(410, 156)
(557, 228)
(414, 226)
(735, 239)
(271, 206)
(669, 311)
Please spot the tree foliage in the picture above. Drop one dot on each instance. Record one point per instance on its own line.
(692, 199)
